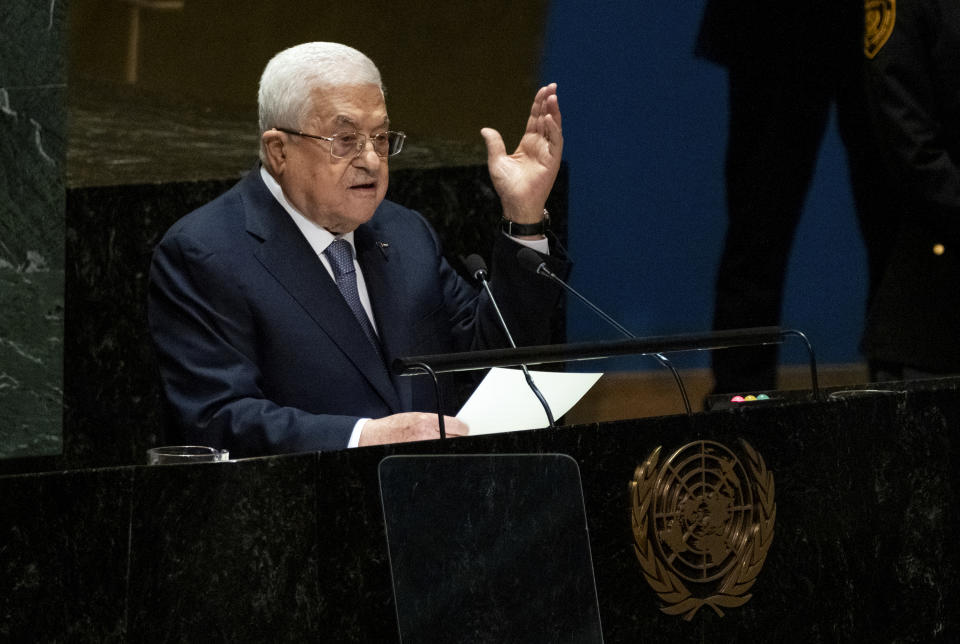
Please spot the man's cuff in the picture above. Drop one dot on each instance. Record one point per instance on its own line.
(539, 245)
(357, 430)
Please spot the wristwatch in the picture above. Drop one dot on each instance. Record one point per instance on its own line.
(514, 229)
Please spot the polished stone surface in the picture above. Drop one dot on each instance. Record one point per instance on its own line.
(294, 547)
(861, 551)
(238, 563)
(112, 412)
(122, 134)
(64, 556)
(32, 149)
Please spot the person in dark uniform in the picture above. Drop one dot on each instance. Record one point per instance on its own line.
(787, 64)
(912, 52)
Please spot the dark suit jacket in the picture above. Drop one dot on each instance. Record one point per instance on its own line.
(260, 354)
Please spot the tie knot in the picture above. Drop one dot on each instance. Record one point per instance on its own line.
(340, 255)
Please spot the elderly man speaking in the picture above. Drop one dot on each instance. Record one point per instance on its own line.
(276, 308)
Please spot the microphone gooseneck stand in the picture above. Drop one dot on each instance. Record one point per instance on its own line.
(436, 386)
(529, 259)
(478, 269)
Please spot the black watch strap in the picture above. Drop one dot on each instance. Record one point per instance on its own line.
(514, 229)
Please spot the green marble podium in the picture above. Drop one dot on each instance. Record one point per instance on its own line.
(32, 154)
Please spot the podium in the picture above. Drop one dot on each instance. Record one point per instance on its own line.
(297, 548)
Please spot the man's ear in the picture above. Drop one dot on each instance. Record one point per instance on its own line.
(274, 142)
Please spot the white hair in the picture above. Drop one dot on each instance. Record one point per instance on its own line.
(289, 78)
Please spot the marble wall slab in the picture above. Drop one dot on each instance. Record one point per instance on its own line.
(112, 411)
(32, 153)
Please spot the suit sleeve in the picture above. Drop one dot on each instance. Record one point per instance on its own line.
(208, 362)
(528, 302)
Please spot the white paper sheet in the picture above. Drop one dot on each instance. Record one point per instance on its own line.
(503, 402)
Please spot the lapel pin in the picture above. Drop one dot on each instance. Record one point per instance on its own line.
(383, 246)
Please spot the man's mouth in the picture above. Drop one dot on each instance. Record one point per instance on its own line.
(364, 186)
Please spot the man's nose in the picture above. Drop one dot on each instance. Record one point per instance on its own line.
(367, 156)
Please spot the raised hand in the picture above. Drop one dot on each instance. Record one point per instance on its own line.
(524, 179)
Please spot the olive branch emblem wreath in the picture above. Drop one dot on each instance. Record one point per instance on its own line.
(703, 520)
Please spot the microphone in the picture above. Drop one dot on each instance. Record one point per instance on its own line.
(478, 269)
(532, 261)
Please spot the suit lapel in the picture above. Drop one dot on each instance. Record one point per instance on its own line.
(381, 260)
(289, 258)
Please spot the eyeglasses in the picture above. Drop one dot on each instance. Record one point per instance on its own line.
(352, 144)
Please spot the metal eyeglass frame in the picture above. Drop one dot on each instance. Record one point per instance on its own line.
(361, 141)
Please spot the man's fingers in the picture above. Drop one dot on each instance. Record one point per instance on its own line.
(409, 426)
(454, 427)
(553, 109)
(495, 146)
(537, 109)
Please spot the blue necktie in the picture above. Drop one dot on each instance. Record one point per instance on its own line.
(340, 255)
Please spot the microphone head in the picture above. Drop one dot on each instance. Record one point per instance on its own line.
(530, 259)
(475, 266)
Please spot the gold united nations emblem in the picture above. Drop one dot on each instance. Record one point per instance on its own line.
(881, 16)
(702, 525)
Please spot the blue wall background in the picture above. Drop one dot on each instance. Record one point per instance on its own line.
(645, 134)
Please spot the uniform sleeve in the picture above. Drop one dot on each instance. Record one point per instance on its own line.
(910, 111)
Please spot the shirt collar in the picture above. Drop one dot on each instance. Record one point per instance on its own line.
(318, 237)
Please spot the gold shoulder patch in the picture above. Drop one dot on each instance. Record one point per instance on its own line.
(880, 16)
